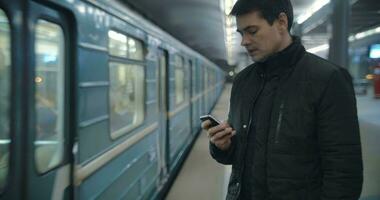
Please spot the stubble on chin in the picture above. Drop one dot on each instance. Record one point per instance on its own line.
(255, 59)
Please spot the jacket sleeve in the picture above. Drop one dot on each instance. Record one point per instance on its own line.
(339, 139)
(225, 157)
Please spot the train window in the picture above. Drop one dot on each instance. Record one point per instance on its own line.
(205, 71)
(49, 95)
(194, 78)
(135, 49)
(179, 80)
(5, 74)
(187, 79)
(126, 97)
(126, 84)
(212, 77)
(117, 44)
(126, 47)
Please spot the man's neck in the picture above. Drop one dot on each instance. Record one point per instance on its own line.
(287, 41)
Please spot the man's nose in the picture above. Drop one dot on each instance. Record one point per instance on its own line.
(244, 40)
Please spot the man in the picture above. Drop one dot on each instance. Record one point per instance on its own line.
(292, 130)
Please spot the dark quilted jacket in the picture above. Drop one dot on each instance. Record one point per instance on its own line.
(313, 149)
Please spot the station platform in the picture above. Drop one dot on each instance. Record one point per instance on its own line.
(369, 121)
(203, 178)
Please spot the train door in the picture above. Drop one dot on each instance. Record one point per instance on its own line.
(11, 106)
(50, 104)
(163, 111)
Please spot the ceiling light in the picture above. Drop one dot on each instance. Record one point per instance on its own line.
(318, 48)
(2, 141)
(229, 4)
(364, 34)
(313, 9)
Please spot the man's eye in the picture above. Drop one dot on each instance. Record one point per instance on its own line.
(252, 32)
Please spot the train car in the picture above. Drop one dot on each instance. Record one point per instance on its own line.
(96, 102)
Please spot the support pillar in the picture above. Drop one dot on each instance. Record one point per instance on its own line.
(340, 18)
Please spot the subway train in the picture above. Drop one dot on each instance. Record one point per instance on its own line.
(96, 102)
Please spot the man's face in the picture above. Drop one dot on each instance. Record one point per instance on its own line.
(258, 37)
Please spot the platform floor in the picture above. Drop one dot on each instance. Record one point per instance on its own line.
(202, 178)
(369, 120)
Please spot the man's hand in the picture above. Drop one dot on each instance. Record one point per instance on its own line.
(219, 135)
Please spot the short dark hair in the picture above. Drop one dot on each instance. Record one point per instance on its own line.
(269, 9)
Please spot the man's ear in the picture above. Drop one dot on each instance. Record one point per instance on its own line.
(283, 22)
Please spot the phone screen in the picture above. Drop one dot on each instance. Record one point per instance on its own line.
(214, 121)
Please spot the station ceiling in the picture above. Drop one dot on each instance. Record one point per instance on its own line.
(200, 24)
(197, 23)
(365, 14)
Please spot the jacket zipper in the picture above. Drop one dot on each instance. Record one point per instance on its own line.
(250, 116)
(254, 103)
(279, 121)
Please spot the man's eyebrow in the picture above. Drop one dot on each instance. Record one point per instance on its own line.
(246, 28)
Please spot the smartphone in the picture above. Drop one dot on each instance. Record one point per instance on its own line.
(214, 121)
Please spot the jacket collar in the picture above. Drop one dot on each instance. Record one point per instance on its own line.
(278, 63)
